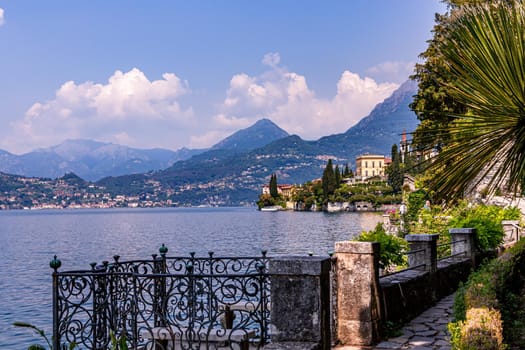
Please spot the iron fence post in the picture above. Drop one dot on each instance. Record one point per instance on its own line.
(163, 250)
(55, 264)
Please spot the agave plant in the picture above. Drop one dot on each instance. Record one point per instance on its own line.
(485, 52)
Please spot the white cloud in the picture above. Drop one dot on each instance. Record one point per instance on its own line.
(271, 59)
(1, 16)
(129, 108)
(286, 98)
(392, 71)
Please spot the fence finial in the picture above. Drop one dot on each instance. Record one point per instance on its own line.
(55, 263)
(163, 250)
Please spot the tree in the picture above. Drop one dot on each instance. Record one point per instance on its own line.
(485, 55)
(346, 171)
(328, 180)
(273, 186)
(394, 171)
(432, 103)
(337, 175)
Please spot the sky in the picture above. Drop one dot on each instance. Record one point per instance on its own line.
(172, 74)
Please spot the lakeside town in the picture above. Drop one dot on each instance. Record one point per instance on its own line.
(72, 192)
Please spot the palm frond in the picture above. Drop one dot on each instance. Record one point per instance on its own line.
(486, 54)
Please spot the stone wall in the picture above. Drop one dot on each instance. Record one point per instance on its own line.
(366, 302)
(305, 289)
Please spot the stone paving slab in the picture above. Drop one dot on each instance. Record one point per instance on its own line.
(427, 331)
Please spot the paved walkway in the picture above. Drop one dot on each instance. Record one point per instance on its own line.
(428, 331)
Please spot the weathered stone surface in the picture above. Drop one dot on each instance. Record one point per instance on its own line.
(430, 333)
(400, 340)
(421, 341)
(418, 327)
(387, 345)
(299, 265)
(421, 238)
(358, 301)
(292, 346)
(300, 310)
(440, 342)
(355, 332)
(354, 247)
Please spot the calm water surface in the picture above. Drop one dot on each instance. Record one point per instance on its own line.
(29, 239)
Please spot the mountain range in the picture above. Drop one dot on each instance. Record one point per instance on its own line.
(90, 160)
(231, 172)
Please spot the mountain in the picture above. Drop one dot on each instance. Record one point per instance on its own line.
(234, 170)
(232, 174)
(377, 132)
(258, 135)
(225, 175)
(94, 160)
(89, 159)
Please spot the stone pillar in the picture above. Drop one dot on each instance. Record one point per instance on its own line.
(423, 251)
(300, 310)
(462, 242)
(358, 300)
(511, 231)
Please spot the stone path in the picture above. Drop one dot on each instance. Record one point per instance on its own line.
(428, 331)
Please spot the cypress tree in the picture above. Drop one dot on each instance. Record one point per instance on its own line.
(337, 174)
(273, 186)
(346, 172)
(394, 171)
(328, 180)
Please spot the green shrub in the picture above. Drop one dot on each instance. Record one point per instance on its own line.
(391, 248)
(485, 308)
(486, 219)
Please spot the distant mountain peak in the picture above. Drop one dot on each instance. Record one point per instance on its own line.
(263, 132)
(394, 109)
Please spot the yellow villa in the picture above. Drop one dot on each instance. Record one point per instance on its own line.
(369, 165)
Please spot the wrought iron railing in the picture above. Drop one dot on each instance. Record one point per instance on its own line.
(164, 303)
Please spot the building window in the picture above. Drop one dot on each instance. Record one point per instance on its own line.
(366, 164)
(366, 172)
(373, 164)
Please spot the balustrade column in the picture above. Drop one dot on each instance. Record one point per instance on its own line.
(423, 251)
(300, 309)
(358, 301)
(462, 242)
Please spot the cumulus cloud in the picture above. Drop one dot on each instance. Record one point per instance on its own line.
(129, 108)
(286, 98)
(1, 16)
(133, 110)
(392, 71)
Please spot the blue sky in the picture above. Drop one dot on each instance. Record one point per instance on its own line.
(188, 73)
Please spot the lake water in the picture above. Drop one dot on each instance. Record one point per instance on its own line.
(29, 239)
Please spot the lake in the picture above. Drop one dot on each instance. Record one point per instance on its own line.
(29, 239)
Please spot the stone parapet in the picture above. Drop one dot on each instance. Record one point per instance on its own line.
(462, 243)
(300, 312)
(423, 251)
(358, 301)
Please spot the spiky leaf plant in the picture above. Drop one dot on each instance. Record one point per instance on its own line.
(485, 52)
